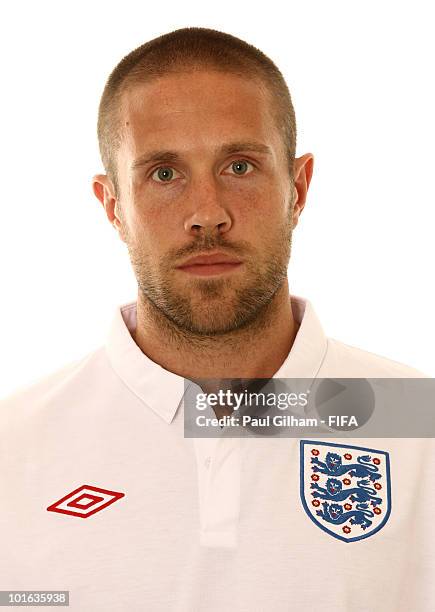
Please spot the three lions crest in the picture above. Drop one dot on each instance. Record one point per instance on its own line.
(345, 490)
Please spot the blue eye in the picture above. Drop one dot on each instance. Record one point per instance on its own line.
(165, 174)
(241, 167)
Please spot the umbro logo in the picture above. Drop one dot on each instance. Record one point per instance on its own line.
(85, 501)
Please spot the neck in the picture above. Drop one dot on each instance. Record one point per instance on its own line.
(256, 351)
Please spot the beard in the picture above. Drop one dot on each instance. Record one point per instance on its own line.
(214, 306)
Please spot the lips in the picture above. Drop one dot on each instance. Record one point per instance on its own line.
(211, 264)
(207, 260)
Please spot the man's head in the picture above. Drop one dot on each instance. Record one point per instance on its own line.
(197, 136)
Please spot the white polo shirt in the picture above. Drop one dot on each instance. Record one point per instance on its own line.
(102, 495)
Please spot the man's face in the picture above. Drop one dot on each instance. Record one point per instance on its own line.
(218, 183)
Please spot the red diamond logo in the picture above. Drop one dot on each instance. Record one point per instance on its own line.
(85, 501)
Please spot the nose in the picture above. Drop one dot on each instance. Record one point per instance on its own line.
(208, 213)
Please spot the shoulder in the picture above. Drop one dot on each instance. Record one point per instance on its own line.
(344, 360)
(64, 385)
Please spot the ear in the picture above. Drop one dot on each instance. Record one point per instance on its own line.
(104, 191)
(303, 171)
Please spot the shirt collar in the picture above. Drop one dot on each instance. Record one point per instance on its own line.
(162, 391)
(158, 388)
(310, 345)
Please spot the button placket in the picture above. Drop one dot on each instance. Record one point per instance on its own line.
(219, 490)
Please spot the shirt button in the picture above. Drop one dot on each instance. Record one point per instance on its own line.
(207, 462)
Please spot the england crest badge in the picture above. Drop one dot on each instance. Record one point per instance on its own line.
(345, 490)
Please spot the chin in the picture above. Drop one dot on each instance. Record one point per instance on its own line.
(208, 324)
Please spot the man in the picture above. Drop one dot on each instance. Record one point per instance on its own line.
(197, 136)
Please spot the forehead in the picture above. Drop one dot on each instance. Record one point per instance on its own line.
(196, 110)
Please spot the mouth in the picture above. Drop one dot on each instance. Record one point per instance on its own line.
(210, 265)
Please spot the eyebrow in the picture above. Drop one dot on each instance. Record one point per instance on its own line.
(230, 148)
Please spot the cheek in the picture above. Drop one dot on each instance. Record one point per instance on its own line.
(246, 203)
(156, 206)
(152, 231)
(254, 204)
(266, 209)
(147, 216)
